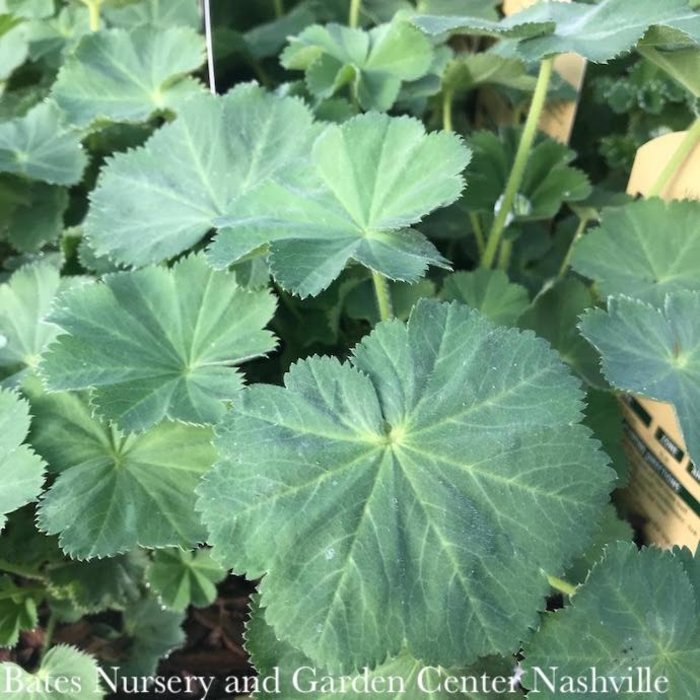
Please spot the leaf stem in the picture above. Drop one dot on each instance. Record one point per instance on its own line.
(522, 156)
(93, 14)
(580, 230)
(383, 294)
(562, 586)
(447, 99)
(691, 139)
(48, 633)
(8, 567)
(354, 17)
(279, 7)
(504, 255)
(478, 232)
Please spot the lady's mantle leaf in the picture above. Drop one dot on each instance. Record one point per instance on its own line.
(125, 76)
(114, 491)
(61, 662)
(180, 579)
(374, 63)
(37, 145)
(25, 302)
(644, 250)
(21, 471)
(653, 352)
(490, 292)
(269, 653)
(159, 200)
(17, 611)
(548, 182)
(369, 180)
(159, 343)
(172, 13)
(638, 609)
(598, 32)
(424, 488)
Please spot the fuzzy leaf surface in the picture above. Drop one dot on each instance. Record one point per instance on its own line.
(637, 609)
(370, 179)
(181, 579)
(644, 250)
(128, 489)
(159, 200)
(158, 343)
(21, 471)
(421, 468)
(157, 13)
(375, 63)
(126, 76)
(38, 146)
(61, 662)
(654, 352)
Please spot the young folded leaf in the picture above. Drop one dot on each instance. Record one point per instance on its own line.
(159, 343)
(39, 146)
(121, 76)
(157, 201)
(654, 352)
(17, 612)
(636, 610)
(21, 471)
(646, 250)
(129, 490)
(368, 181)
(374, 63)
(413, 497)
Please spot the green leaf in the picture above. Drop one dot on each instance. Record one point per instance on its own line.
(607, 29)
(549, 181)
(485, 9)
(181, 579)
(490, 292)
(157, 13)
(128, 489)
(265, 40)
(645, 250)
(554, 315)
(352, 488)
(17, 611)
(30, 9)
(159, 343)
(53, 677)
(610, 530)
(476, 25)
(375, 63)
(470, 70)
(153, 633)
(127, 76)
(52, 39)
(21, 471)
(370, 179)
(25, 302)
(682, 65)
(396, 678)
(32, 213)
(361, 301)
(636, 610)
(13, 45)
(654, 352)
(107, 584)
(159, 200)
(40, 147)
(604, 418)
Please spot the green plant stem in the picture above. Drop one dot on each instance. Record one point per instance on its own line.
(562, 586)
(383, 294)
(354, 17)
(8, 567)
(505, 254)
(94, 14)
(692, 138)
(522, 156)
(580, 230)
(478, 232)
(48, 633)
(279, 7)
(447, 99)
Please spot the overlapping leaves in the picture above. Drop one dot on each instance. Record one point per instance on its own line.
(368, 181)
(128, 489)
(654, 352)
(638, 609)
(159, 343)
(436, 475)
(373, 63)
